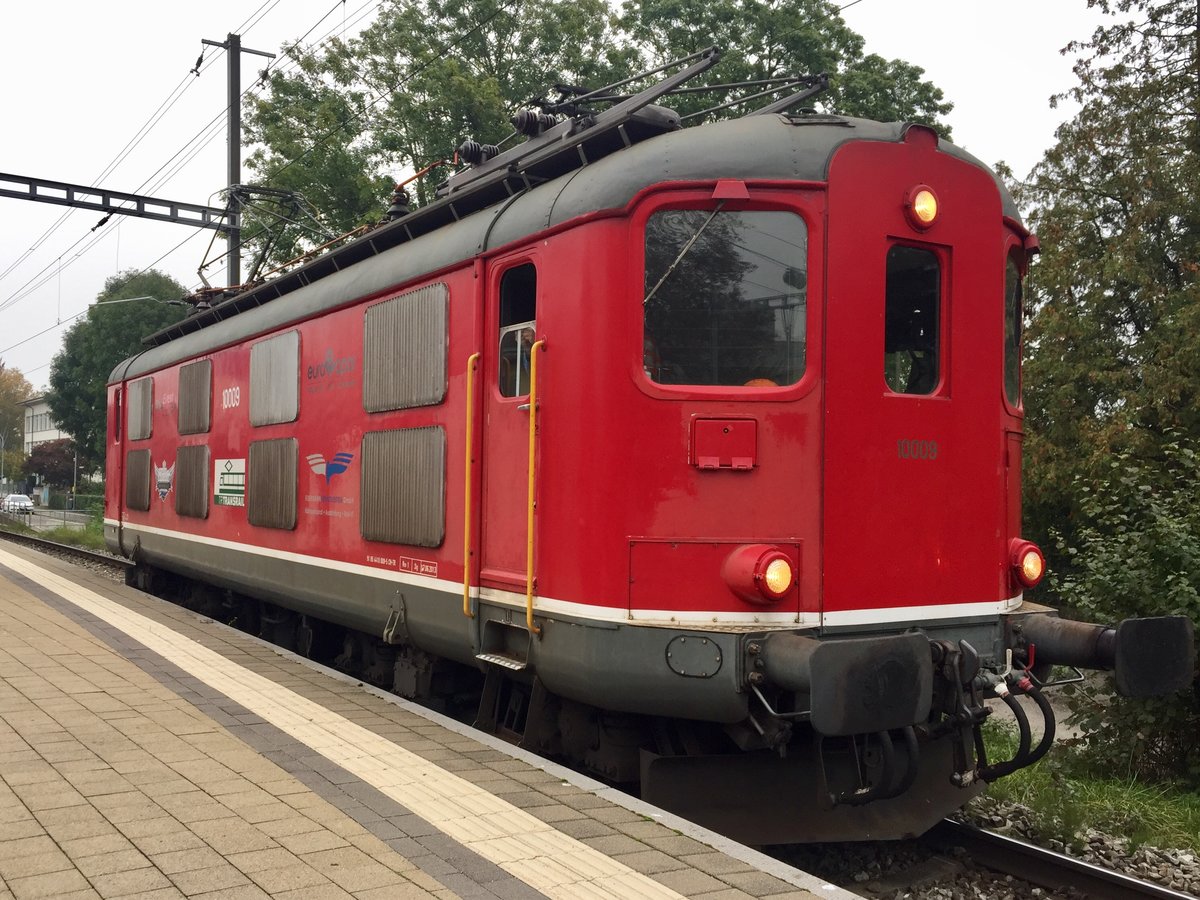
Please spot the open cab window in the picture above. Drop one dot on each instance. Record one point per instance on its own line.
(518, 324)
(725, 297)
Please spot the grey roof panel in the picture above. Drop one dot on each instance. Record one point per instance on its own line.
(755, 147)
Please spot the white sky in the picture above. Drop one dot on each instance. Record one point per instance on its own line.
(82, 77)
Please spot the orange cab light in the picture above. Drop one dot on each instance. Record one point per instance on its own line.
(1028, 563)
(922, 206)
(759, 573)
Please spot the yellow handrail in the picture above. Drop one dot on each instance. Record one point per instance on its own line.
(471, 362)
(533, 409)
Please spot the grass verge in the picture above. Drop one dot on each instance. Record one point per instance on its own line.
(1065, 798)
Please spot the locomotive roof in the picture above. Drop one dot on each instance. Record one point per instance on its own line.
(772, 146)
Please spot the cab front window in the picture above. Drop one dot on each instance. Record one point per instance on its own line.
(725, 297)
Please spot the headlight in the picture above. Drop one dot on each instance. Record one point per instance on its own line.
(921, 206)
(759, 573)
(1028, 563)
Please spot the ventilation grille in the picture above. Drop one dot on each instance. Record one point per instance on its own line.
(404, 486)
(404, 350)
(191, 482)
(272, 483)
(275, 379)
(137, 479)
(141, 396)
(195, 397)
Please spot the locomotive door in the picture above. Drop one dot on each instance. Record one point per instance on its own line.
(912, 499)
(510, 326)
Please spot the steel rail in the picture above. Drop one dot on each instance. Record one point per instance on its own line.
(37, 543)
(1046, 868)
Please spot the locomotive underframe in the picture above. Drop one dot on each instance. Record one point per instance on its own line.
(768, 775)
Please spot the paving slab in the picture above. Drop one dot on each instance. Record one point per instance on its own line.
(147, 751)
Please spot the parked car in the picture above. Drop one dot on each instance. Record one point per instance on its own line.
(17, 503)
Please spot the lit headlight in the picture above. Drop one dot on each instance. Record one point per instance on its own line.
(922, 206)
(759, 573)
(1027, 562)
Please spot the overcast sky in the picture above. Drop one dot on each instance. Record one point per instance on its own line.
(81, 78)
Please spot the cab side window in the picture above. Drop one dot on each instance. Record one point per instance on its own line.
(518, 323)
(1012, 332)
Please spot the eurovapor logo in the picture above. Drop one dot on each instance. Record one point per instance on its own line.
(336, 466)
(329, 505)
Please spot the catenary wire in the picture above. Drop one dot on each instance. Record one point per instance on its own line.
(205, 136)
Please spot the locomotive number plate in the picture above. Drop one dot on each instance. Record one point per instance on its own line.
(913, 449)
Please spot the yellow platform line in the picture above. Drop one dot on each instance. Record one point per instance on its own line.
(527, 848)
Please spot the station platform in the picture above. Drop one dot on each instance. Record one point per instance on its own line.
(148, 752)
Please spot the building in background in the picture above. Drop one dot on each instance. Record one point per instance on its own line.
(40, 426)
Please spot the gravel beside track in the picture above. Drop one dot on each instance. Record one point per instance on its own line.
(916, 870)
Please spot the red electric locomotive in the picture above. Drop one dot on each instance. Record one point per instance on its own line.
(698, 448)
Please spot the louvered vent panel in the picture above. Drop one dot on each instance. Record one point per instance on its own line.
(137, 479)
(404, 350)
(195, 397)
(191, 482)
(404, 486)
(141, 396)
(275, 379)
(271, 484)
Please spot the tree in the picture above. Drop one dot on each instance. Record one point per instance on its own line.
(350, 118)
(94, 345)
(1113, 364)
(344, 124)
(790, 37)
(14, 389)
(54, 461)
(1113, 369)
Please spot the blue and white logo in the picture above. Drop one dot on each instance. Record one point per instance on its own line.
(340, 463)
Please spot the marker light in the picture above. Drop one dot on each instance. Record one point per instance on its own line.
(922, 206)
(759, 573)
(1027, 562)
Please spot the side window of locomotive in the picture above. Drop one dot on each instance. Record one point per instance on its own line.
(912, 335)
(1012, 332)
(141, 397)
(195, 397)
(275, 379)
(518, 314)
(725, 297)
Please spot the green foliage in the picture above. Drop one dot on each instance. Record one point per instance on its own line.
(14, 388)
(405, 93)
(94, 345)
(90, 536)
(793, 37)
(1136, 552)
(54, 461)
(353, 116)
(1067, 793)
(1113, 369)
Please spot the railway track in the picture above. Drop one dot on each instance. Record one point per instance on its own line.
(66, 550)
(1053, 871)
